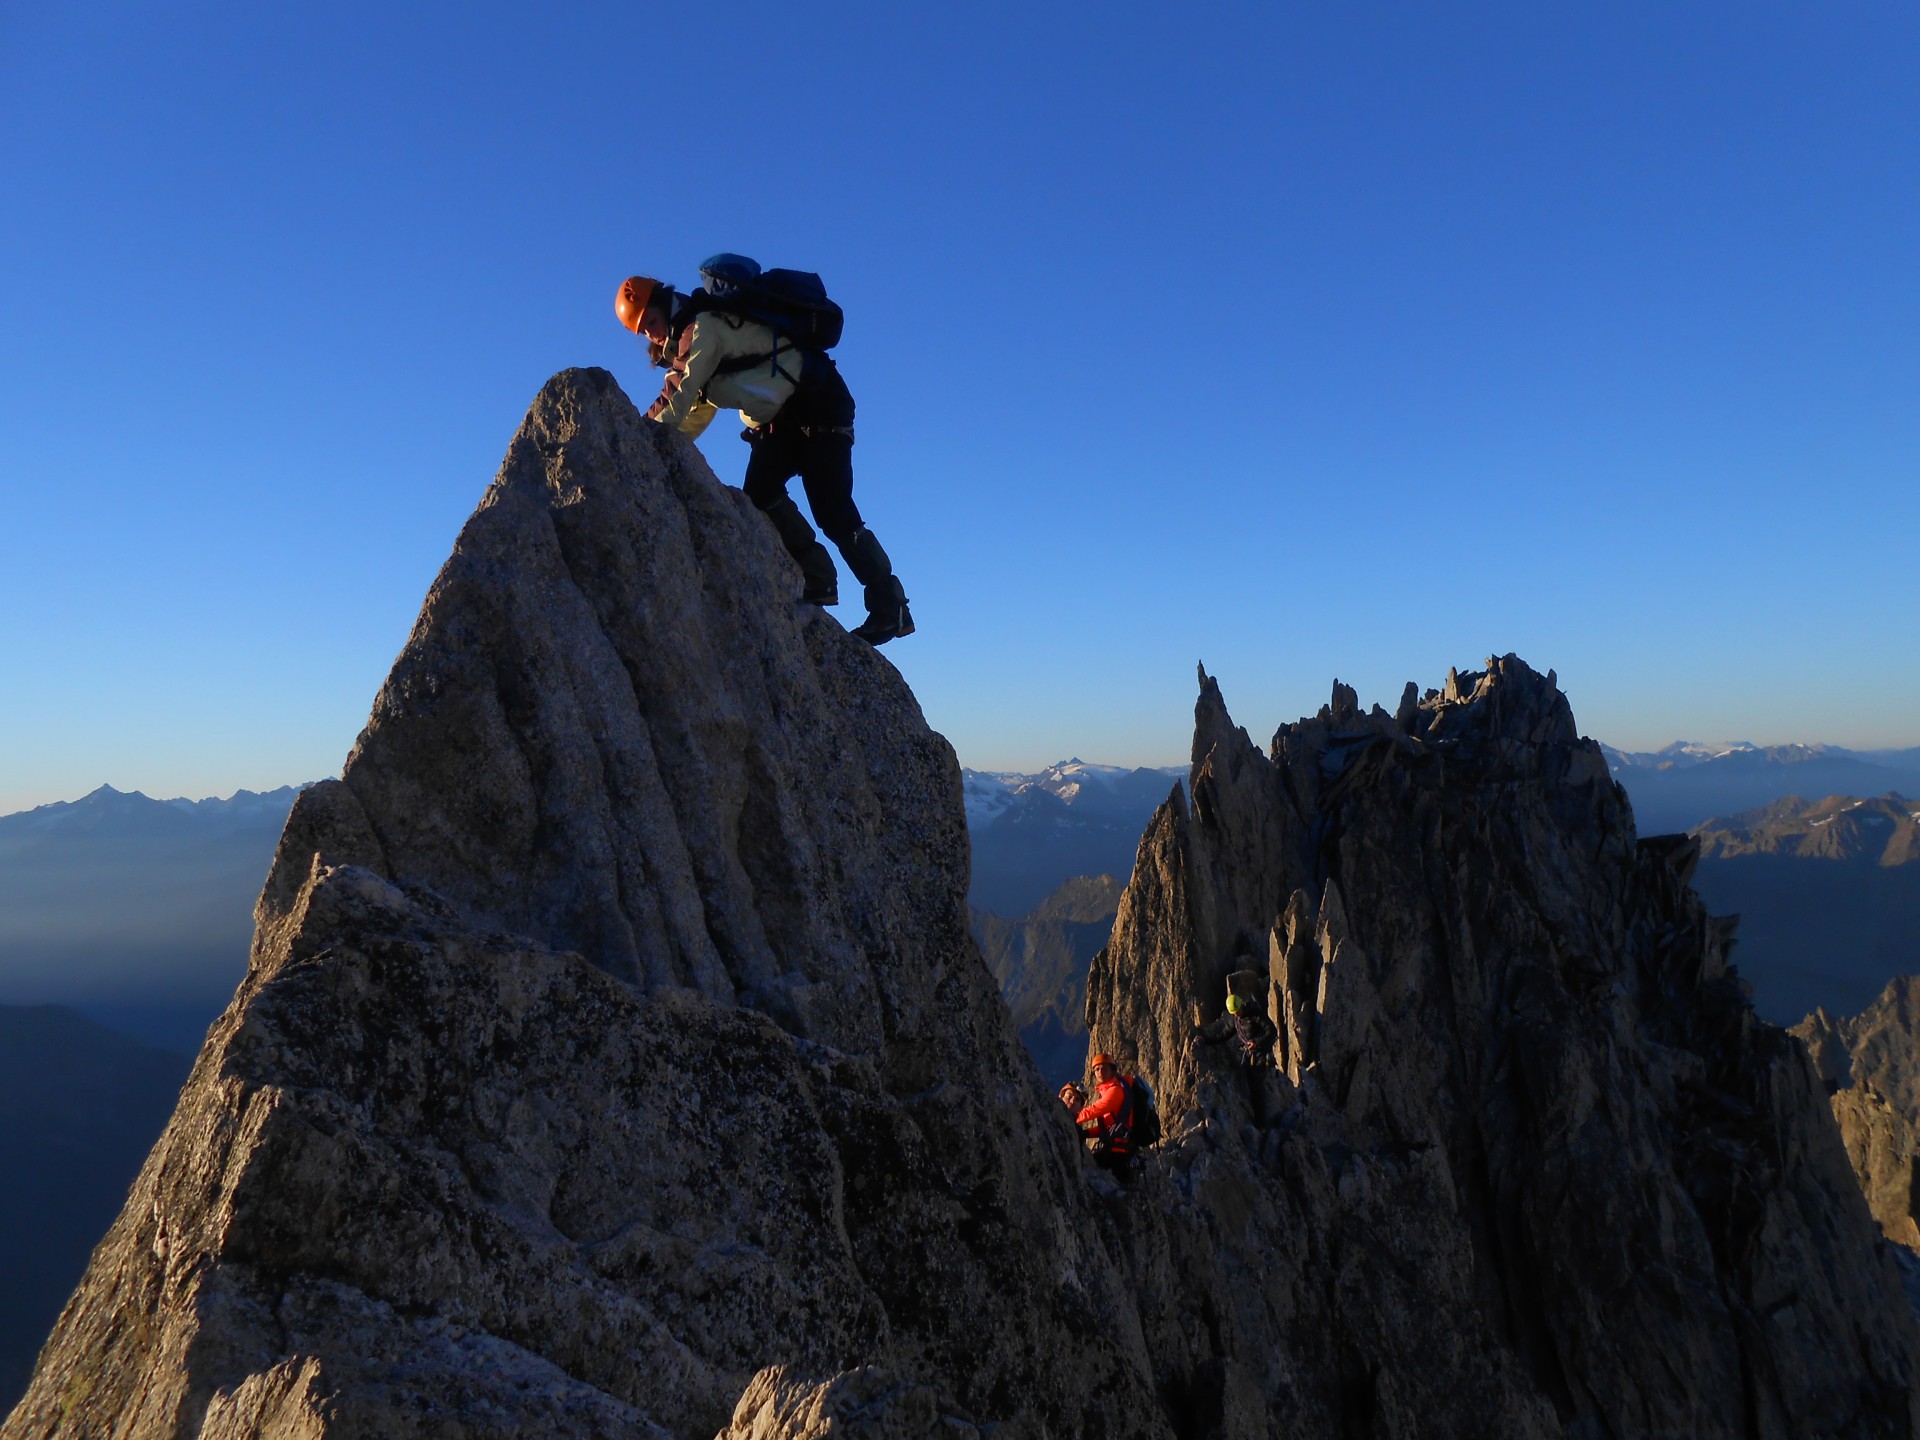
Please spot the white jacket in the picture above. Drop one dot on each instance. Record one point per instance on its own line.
(697, 388)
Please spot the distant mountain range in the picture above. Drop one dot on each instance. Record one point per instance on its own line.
(1828, 894)
(134, 910)
(1041, 964)
(139, 911)
(1690, 782)
(1883, 832)
(1032, 832)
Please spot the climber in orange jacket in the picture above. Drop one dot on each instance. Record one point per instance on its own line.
(1108, 1119)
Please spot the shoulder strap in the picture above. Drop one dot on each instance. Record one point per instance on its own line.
(692, 307)
(781, 346)
(701, 303)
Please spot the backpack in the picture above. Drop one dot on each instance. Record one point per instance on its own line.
(1143, 1118)
(791, 303)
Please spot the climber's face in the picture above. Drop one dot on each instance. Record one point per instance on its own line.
(653, 324)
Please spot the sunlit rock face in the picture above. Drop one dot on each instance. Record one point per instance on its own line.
(614, 1061)
(1528, 1164)
(1871, 1063)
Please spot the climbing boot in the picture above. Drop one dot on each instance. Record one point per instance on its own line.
(816, 565)
(888, 617)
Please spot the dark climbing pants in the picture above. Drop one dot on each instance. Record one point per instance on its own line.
(823, 459)
(824, 462)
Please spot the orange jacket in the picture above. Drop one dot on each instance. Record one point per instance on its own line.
(1099, 1115)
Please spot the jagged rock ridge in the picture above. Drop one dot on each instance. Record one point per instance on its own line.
(614, 1061)
(1880, 830)
(1530, 1166)
(1871, 1063)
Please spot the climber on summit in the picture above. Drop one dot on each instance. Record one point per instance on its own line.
(757, 341)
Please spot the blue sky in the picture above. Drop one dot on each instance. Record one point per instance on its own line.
(1305, 340)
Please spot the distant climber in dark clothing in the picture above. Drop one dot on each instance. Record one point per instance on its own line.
(740, 343)
(1246, 1027)
(1252, 1031)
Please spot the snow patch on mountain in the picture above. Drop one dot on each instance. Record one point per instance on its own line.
(990, 794)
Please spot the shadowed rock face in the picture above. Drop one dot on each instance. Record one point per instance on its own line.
(1529, 1165)
(614, 1061)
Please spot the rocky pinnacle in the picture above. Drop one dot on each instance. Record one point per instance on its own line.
(1527, 1163)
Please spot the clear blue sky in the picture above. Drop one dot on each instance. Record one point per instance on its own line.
(1310, 340)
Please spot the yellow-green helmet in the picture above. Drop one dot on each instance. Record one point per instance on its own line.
(1235, 1004)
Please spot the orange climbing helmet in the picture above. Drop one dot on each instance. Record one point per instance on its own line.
(630, 304)
(1102, 1059)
